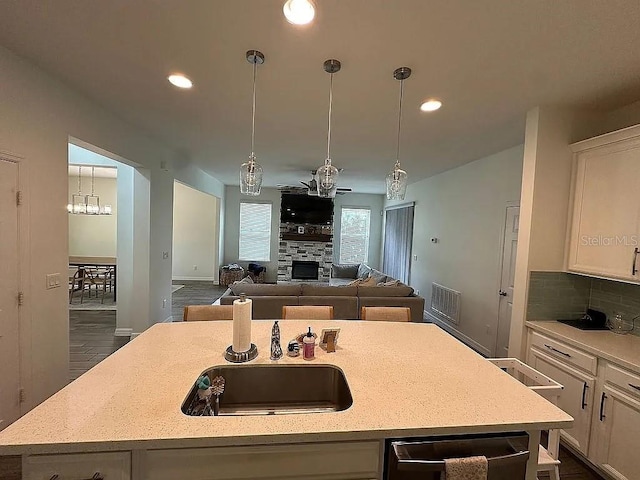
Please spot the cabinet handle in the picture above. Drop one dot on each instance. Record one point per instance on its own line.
(634, 270)
(634, 386)
(584, 393)
(557, 351)
(602, 398)
(96, 476)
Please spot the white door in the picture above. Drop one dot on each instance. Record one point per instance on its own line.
(9, 329)
(509, 249)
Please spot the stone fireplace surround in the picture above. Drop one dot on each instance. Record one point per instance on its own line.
(307, 251)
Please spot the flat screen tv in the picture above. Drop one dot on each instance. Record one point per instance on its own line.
(306, 209)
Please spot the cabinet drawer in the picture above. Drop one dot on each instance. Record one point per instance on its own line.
(565, 353)
(623, 379)
(348, 460)
(110, 466)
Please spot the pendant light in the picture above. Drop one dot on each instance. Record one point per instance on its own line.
(251, 171)
(397, 178)
(78, 203)
(327, 174)
(93, 200)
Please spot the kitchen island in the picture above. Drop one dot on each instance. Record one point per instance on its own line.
(406, 380)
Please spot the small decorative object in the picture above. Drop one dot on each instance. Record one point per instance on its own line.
(293, 349)
(276, 349)
(329, 338)
(309, 345)
(300, 229)
(618, 324)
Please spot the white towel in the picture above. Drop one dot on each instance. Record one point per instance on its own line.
(469, 468)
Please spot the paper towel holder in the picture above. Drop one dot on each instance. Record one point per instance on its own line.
(241, 357)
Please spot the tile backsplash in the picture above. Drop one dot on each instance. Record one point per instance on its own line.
(559, 295)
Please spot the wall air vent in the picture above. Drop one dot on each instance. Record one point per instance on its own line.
(445, 303)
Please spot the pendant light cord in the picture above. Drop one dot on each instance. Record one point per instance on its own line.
(330, 111)
(93, 179)
(253, 108)
(399, 123)
(79, 180)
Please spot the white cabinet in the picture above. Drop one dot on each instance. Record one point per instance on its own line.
(605, 224)
(329, 461)
(109, 466)
(577, 398)
(617, 426)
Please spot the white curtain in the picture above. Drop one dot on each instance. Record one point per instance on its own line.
(398, 236)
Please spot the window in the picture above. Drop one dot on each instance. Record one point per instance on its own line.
(255, 232)
(354, 235)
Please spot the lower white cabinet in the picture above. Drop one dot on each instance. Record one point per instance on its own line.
(108, 466)
(577, 398)
(329, 461)
(606, 409)
(617, 433)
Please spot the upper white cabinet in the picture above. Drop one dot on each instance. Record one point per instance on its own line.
(605, 224)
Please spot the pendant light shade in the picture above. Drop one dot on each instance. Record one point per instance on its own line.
(397, 179)
(327, 174)
(251, 171)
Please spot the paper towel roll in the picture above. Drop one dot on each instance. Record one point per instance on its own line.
(241, 325)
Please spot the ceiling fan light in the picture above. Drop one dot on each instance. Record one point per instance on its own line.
(251, 177)
(397, 181)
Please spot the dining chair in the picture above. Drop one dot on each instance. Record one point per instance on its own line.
(75, 282)
(388, 314)
(307, 312)
(207, 312)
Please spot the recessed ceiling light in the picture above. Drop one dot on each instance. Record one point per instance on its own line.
(299, 12)
(431, 105)
(180, 81)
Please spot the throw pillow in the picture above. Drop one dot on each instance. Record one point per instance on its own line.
(344, 271)
(246, 279)
(357, 281)
(378, 275)
(363, 271)
(368, 282)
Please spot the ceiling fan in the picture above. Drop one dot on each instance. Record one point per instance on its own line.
(312, 185)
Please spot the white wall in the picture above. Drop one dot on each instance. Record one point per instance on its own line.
(39, 115)
(232, 226)
(94, 235)
(376, 204)
(195, 225)
(465, 209)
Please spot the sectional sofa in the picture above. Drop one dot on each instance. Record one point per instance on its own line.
(351, 287)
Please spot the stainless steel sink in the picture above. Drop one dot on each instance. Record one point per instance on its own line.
(276, 390)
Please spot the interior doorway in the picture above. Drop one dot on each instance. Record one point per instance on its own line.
(9, 291)
(507, 274)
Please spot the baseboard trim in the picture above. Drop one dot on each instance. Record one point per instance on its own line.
(470, 342)
(134, 335)
(190, 279)
(169, 319)
(123, 332)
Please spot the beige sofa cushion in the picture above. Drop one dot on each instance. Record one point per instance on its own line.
(265, 289)
(344, 308)
(265, 307)
(336, 291)
(399, 291)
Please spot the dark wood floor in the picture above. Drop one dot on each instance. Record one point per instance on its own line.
(91, 340)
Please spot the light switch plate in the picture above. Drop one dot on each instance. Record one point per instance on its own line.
(53, 280)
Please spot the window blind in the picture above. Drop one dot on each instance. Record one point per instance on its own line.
(354, 235)
(255, 232)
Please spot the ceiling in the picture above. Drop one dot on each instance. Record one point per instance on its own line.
(489, 62)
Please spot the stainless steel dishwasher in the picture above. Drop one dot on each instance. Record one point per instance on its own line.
(423, 458)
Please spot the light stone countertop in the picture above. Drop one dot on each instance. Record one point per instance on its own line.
(621, 349)
(406, 379)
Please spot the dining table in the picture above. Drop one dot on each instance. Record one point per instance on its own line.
(85, 262)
